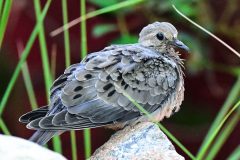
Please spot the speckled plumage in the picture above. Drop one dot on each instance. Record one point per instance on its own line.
(90, 94)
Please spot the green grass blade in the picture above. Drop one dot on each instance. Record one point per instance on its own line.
(57, 144)
(208, 32)
(24, 55)
(67, 63)
(235, 155)
(215, 132)
(87, 143)
(1, 4)
(73, 145)
(29, 86)
(4, 127)
(231, 98)
(44, 51)
(53, 60)
(94, 14)
(178, 143)
(46, 67)
(86, 132)
(4, 19)
(27, 80)
(223, 135)
(66, 34)
(83, 31)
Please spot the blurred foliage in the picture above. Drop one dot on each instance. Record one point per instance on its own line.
(196, 62)
(195, 116)
(188, 7)
(108, 3)
(102, 29)
(103, 3)
(235, 155)
(125, 39)
(154, 8)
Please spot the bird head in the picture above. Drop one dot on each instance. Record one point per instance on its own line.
(162, 36)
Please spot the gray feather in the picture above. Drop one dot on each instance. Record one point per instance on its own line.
(92, 93)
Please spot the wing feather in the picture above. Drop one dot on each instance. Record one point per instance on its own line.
(91, 93)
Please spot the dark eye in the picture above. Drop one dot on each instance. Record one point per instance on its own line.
(160, 36)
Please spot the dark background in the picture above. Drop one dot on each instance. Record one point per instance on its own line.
(208, 77)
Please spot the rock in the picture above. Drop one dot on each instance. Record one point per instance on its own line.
(144, 141)
(14, 148)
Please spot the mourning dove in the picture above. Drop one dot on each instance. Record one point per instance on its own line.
(90, 94)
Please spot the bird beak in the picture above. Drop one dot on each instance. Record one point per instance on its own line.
(179, 44)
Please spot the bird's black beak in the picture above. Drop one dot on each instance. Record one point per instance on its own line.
(179, 44)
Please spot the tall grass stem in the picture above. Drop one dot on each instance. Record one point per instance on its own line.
(4, 18)
(1, 5)
(235, 155)
(66, 33)
(208, 32)
(67, 63)
(4, 128)
(24, 55)
(94, 14)
(44, 51)
(46, 67)
(205, 147)
(27, 79)
(86, 132)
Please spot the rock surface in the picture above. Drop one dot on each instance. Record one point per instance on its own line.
(144, 141)
(14, 148)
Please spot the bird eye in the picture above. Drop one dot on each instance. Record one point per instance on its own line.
(160, 36)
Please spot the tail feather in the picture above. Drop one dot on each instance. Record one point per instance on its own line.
(35, 114)
(42, 137)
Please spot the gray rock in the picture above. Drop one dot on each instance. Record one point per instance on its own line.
(144, 141)
(14, 148)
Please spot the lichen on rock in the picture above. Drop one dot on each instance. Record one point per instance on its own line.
(145, 141)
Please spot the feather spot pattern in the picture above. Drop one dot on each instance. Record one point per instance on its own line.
(77, 96)
(78, 88)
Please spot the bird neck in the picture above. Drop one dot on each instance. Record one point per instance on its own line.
(168, 52)
(174, 55)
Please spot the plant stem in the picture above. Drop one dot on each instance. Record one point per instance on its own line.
(83, 31)
(208, 32)
(67, 63)
(231, 98)
(1, 4)
(215, 132)
(235, 155)
(122, 25)
(44, 51)
(53, 60)
(24, 55)
(86, 132)
(73, 145)
(4, 127)
(27, 80)
(46, 67)
(66, 34)
(4, 18)
(94, 14)
(224, 134)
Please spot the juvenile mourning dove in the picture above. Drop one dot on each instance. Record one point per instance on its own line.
(90, 94)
